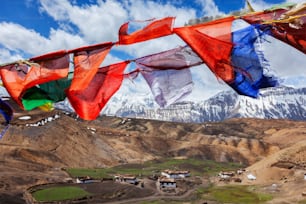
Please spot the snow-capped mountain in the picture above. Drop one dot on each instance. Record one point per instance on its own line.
(280, 102)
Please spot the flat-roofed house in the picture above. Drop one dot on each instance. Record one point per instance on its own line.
(175, 174)
(165, 182)
(86, 179)
(127, 179)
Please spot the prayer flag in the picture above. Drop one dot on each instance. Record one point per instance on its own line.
(87, 61)
(155, 29)
(20, 76)
(168, 75)
(89, 101)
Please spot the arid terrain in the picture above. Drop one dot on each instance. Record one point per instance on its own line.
(273, 150)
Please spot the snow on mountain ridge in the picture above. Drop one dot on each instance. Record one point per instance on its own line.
(280, 102)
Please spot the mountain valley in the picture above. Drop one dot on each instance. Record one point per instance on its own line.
(32, 155)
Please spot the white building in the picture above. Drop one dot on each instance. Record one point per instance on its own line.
(84, 180)
(175, 174)
(127, 179)
(226, 175)
(165, 182)
(251, 177)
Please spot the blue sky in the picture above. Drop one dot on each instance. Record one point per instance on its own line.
(43, 15)
(28, 13)
(34, 27)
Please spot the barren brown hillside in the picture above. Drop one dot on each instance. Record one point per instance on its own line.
(32, 155)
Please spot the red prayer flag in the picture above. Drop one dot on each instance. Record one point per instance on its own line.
(291, 32)
(18, 77)
(156, 29)
(220, 28)
(87, 61)
(294, 37)
(89, 102)
(214, 52)
(262, 16)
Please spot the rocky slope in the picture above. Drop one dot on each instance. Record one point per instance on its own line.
(34, 152)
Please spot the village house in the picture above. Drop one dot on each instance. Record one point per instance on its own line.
(175, 174)
(226, 175)
(165, 182)
(240, 171)
(127, 179)
(251, 176)
(86, 179)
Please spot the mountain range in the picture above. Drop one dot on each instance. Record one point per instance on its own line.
(273, 103)
(276, 103)
(283, 102)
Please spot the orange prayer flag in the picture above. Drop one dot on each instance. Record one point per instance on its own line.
(220, 28)
(156, 29)
(214, 52)
(87, 60)
(89, 102)
(20, 76)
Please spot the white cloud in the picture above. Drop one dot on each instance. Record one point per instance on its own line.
(20, 39)
(16, 37)
(56, 9)
(111, 59)
(142, 10)
(209, 8)
(101, 22)
(95, 22)
(6, 56)
(295, 1)
(60, 39)
(284, 59)
(259, 5)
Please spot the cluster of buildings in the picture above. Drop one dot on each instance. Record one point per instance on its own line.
(41, 122)
(86, 179)
(231, 176)
(127, 179)
(165, 181)
(168, 178)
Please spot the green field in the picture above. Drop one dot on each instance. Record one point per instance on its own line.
(197, 167)
(59, 194)
(224, 194)
(234, 194)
